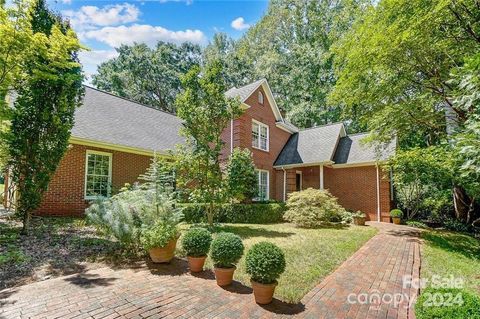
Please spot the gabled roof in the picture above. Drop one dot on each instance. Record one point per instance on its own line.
(351, 150)
(310, 146)
(329, 144)
(244, 92)
(110, 119)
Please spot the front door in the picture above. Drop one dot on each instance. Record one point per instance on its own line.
(298, 181)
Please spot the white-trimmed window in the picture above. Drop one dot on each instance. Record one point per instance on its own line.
(260, 135)
(260, 97)
(263, 185)
(98, 174)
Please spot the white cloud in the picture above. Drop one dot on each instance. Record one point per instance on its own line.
(66, 1)
(143, 33)
(89, 17)
(239, 24)
(91, 59)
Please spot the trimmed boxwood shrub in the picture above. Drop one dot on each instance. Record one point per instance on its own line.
(396, 213)
(226, 250)
(265, 262)
(430, 304)
(196, 242)
(236, 213)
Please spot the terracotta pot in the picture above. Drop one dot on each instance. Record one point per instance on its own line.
(163, 254)
(263, 292)
(396, 220)
(360, 221)
(224, 276)
(196, 263)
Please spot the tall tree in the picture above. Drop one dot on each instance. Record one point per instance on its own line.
(206, 112)
(43, 111)
(149, 76)
(394, 67)
(291, 47)
(237, 70)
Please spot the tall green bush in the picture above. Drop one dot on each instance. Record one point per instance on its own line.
(241, 177)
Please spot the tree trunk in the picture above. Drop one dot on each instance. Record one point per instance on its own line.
(27, 216)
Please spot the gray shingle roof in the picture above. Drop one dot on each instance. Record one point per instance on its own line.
(314, 145)
(245, 91)
(351, 150)
(106, 118)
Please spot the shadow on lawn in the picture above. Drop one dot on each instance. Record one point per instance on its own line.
(454, 242)
(247, 232)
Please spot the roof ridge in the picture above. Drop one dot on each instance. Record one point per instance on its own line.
(360, 133)
(320, 126)
(129, 100)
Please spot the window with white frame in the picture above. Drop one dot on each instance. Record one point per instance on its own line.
(260, 97)
(263, 185)
(98, 174)
(260, 135)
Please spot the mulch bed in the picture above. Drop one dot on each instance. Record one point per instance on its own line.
(53, 247)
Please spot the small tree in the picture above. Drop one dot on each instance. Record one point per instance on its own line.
(241, 177)
(206, 112)
(43, 112)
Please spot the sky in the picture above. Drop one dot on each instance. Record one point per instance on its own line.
(103, 25)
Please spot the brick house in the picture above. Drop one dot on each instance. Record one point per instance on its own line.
(114, 139)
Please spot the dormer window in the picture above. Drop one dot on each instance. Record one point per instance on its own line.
(260, 97)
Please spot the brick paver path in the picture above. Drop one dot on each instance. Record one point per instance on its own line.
(169, 291)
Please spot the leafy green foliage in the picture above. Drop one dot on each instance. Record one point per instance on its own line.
(196, 242)
(394, 66)
(265, 262)
(43, 112)
(465, 306)
(313, 208)
(226, 250)
(396, 213)
(125, 215)
(206, 112)
(241, 177)
(158, 235)
(149, 76)
(236, 213)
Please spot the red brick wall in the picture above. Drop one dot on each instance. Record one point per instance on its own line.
(356, 189)
(65, 194)
(242, 137)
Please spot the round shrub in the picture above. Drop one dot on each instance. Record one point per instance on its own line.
(265, 262)
(313, 207)
(447, 303)
(158, 235)
(226, 250)
(196, 242)
(396, 213)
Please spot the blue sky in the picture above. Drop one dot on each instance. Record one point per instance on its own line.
(104, 25)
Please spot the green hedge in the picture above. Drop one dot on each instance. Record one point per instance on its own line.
(236, 213)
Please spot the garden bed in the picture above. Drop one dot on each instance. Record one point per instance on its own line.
(54, 247)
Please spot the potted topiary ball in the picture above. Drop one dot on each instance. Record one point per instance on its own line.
(359, 218)
(196, 243)
(265, 262)
(396, 215)
(226, 251)
(160, 241)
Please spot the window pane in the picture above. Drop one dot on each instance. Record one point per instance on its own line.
(97, 175)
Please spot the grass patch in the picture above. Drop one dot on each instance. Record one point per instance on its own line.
(447, 253)
(311, 254)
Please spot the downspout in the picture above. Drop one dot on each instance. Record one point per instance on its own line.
(378, 192)
(321, 177)
(231, 136)
(284, 184)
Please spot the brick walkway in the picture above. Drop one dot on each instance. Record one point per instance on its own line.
(169, 291)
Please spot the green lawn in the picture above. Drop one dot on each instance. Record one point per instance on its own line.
(447, 253)
(311, 254)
